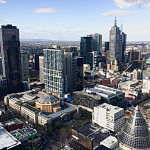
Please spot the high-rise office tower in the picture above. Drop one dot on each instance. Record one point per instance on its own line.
(134, 59)
(53, 71)
(95, 59)
(1, 69)
(10, 52)
(106, 46)
(117, 45)
(41, 68)
(115, 42)
(73, 72)
(123, 40)
(97, 42)
(88, 45)
(24, 65)
(63, 72)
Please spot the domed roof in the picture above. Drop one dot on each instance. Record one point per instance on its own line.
(135, 133)
(47, 99)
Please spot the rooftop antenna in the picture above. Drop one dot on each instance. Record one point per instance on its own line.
(115, 21)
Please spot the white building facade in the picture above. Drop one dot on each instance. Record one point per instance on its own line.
(109, 117)
(146, 85)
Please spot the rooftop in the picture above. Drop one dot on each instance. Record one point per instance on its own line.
(47, 99)
(60, 113)
(93, 95)
(104, 91)
(23, 134)
(12, 121)
(31, 108)
(109, 141)
(7, 140)
(109, 107)
(91, 131)
(29, 96)
(8, 26)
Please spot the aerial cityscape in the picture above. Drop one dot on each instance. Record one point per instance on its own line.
(75, 75)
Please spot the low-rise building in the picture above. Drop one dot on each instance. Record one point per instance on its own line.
(29, 113)
(48, 104)
(109, 95)
(82, 98)
(41, 112)
(99, 94)
(109, 117)
(88, 137)
(29, 138)
(13, 124)
(110, 142)
(146, 86)
(131, 88)
(66, 114)
(7, 141)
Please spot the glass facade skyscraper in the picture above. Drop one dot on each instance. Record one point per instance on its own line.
(91, 44)
(53, 71)
(117, 45)
(10, 53)
(86, 48)
(63, 71)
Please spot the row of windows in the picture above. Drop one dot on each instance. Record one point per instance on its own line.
(138, 143)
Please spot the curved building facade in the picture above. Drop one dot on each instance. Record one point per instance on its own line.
(135, 135)
(48, 104)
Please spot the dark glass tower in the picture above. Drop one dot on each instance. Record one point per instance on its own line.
(123, 43)
(91, 48)
(86, 47)
(10, 52)
(135, 135)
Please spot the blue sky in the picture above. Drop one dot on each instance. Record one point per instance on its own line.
(71, 19)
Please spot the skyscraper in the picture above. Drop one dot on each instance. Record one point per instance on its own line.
(73, 72)
(115, 42)
(53, 71)
(123, 40)
(97, 42)
(10, 52)
(41, 68)
(24, 65)
(88, 45)
(106, 46)
(63, 71)
(117, 45)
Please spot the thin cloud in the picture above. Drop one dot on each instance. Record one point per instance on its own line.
(45, 10)
(3, 1)
(130, 3)
(7, 20)
(119, 13)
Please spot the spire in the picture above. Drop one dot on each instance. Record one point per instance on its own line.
(135, 133)
(115, 21)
